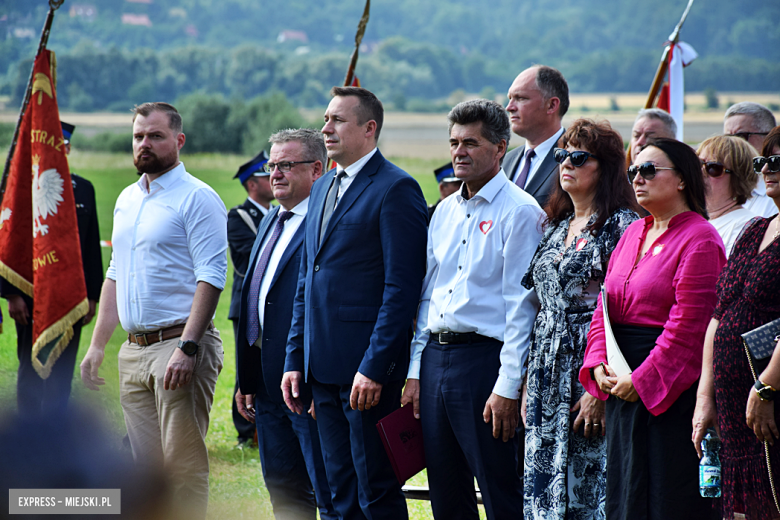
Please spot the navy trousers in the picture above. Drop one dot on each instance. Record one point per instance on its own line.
(455, 383)
(291, 459)
(361, 478)
(36, 395)
(245, 429)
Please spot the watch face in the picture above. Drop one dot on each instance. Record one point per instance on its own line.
(188, 347)
(766, 393)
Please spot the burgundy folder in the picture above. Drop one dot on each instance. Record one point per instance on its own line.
(402, 436)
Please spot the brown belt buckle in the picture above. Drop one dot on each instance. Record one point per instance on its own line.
(140, 339)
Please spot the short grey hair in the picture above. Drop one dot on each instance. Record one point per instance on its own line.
(763, 119)
(311, 140)
(494, 119)
(661, 115)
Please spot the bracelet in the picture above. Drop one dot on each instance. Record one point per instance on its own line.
(593, 370)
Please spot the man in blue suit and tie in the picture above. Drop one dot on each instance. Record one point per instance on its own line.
(361, 274)
(290, 452)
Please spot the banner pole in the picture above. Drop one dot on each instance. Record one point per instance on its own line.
(53, 6)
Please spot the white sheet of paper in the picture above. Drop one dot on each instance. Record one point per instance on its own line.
(615, 357)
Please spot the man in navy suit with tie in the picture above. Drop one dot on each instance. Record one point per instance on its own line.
(361, 274)
(289, 444)
(538, 100)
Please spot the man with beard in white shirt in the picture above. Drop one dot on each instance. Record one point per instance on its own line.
(167, 270)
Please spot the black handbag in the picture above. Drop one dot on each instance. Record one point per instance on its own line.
(760, 344)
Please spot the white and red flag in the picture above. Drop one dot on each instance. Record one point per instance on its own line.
(672, 98)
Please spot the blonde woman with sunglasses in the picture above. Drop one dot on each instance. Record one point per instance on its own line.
(727, 167)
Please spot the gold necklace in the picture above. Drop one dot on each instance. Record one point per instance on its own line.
(572, 228)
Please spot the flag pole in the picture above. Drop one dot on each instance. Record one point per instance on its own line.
(53, 6)
(358, 39)
(664, 65)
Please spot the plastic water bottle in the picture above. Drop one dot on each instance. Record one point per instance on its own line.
(709, 465)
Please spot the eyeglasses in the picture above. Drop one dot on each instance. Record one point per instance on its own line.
(746, 135)
(284, 167)
(773, 162)
(578, 158)
(714, 169)
(646, 170)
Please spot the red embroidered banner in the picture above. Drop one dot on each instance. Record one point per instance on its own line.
(39, 242)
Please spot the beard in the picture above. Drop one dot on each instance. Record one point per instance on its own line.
(155, 164)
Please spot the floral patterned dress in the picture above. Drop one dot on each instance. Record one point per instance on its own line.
(565, 473)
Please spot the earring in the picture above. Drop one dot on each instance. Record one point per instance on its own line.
(680, 187)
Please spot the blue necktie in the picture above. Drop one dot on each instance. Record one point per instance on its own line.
(253, 317)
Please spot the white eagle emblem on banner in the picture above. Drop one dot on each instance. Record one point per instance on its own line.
(47, 195)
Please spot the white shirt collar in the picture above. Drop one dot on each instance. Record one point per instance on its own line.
(543, 149)
(354, 168)
(263, 211)
(164, 181)
(489, 191)
(301, 209)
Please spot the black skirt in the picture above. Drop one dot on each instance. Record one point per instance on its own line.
(652, 467)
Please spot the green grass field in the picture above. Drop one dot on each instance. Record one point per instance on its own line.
(237, 489)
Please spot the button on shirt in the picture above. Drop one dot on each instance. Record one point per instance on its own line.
(540, 154)
(289, 229)
(165, 241)
(478, 251)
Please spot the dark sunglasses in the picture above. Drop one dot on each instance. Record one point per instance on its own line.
(714, 169)
(578, 158)
(647, 170)
(746, 135)
(773, 162)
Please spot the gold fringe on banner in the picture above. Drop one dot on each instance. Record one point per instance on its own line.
(63, 330)
(16, 279)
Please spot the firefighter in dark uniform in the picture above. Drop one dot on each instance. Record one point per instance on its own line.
(448, 184)
(243, 221)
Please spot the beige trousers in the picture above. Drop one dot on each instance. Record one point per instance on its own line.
(167, 428)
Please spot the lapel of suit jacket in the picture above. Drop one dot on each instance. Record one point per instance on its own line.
(262, 231)
(542, 173)
(295, 242)
(359, 184)
(511, 166)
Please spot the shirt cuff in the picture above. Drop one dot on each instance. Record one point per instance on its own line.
(211, 277)
(414, 370)
(507, 388)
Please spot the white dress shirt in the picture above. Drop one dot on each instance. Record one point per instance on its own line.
(289, 229)
(352, 170)
(478, 251)
(165, 241)
(540, 152)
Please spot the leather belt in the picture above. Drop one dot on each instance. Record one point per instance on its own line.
(150, 338)
(460, 338)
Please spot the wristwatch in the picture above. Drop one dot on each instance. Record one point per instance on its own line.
(764, 391)
(190, 348)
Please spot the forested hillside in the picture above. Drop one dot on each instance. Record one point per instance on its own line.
(114, 52)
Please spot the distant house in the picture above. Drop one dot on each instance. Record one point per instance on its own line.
(136, 19)
(286, 36)
(85, 11)
(23, 32)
